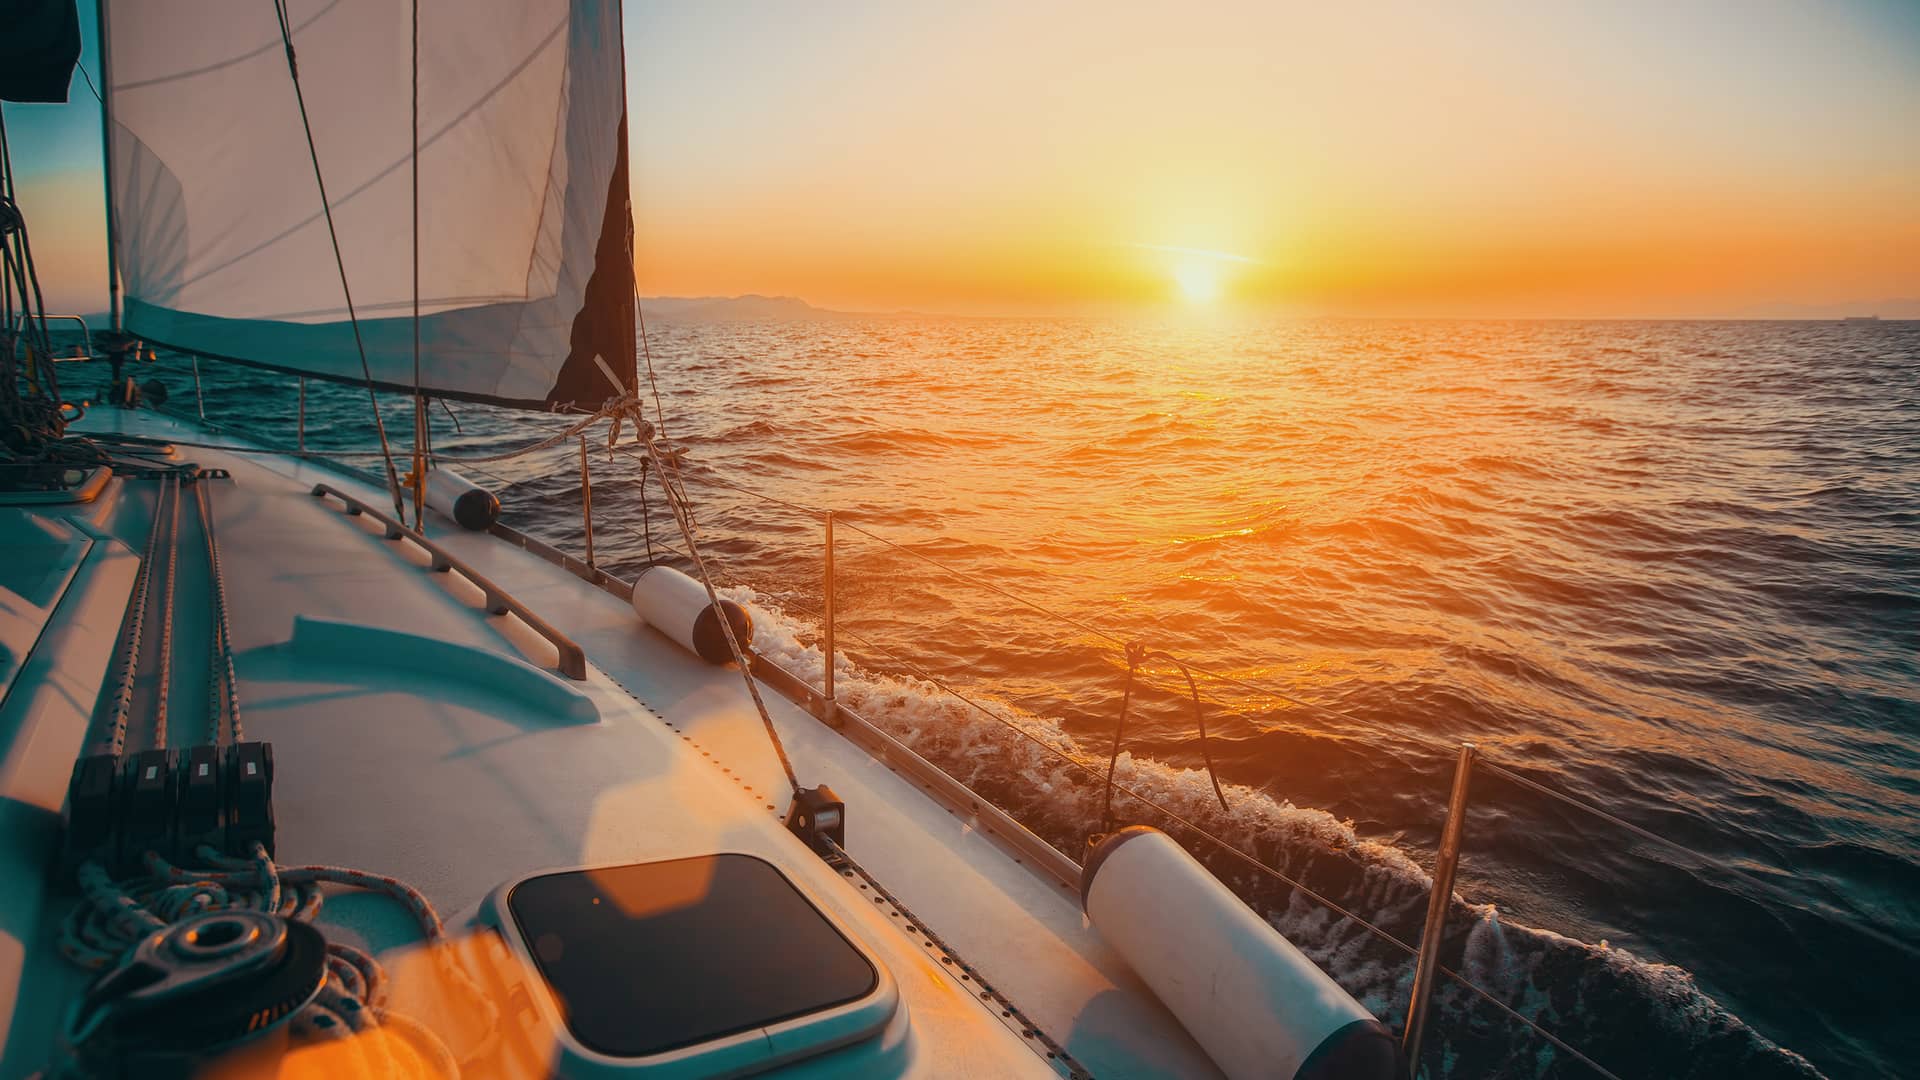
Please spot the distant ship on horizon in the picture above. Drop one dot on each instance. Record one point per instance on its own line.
(1860, 318)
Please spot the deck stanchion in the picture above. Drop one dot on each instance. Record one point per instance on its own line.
(830, 708)
(1428, 964)
(586, 500)
(303, 414)
(199, 399)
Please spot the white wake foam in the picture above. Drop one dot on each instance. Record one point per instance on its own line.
(1025, 763)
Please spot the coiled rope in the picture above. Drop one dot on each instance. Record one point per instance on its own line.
(114, 917)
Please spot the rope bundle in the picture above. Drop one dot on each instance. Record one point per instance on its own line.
(353, 1003)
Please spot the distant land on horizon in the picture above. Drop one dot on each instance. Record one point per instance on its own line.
(752, 307)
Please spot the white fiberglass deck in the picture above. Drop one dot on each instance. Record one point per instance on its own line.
(406, 744)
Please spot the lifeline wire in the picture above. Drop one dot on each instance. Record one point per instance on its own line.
(1485, 760)
(681, 516)
(1199, 831)
(419, 404)
(339, 261)
(1251, 861)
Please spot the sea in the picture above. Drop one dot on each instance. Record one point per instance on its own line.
(1667, 571)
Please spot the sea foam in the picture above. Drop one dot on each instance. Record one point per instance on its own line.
(1039, 773)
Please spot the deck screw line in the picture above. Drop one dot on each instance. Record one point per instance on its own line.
(934, 946)
(937, 948)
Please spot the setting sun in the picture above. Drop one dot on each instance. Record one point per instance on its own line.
(1199, 280)
(1312, 539)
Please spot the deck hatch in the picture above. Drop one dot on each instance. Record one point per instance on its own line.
(653, 957)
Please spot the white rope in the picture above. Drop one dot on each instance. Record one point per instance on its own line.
(618, 410)
(683, 517)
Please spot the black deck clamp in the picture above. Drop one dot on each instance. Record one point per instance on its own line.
(249, 798)
(203, 803)
(173, 802)
(146, 822)
(817, 816)
(93, 813)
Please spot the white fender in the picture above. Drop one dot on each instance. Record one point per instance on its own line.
(677, 606)
(1253, 1001)
(459, 498)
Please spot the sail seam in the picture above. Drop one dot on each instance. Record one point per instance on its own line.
(390, 169)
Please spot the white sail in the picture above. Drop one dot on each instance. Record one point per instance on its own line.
(524, 226)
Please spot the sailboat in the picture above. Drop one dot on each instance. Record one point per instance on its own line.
(310, 771)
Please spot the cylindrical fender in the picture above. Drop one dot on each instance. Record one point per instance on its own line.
(677, 606)
(459, 498)
(1253, 1001)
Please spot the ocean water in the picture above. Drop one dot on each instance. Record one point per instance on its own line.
(1672, 569)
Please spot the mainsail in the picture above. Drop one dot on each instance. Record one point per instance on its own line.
(524, 265)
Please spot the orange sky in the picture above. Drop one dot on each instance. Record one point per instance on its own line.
(1713, 158)
(1491, 159)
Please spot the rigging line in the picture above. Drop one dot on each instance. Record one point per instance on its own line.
(1119, 731)
(1114, 639)
(1250, 860)
(419, 405)
(165, 688)
(339, 261)
(964, 576)
(224, 673)
(676, 503)
(92, 89)
(1170, 814)
(1518, 1015)
(646, 515)
(711, 476)
(1199, 720)
(114, 740)
(1486, 760)
(646, 346)
(614, 410)
(23, 266)
(1771, 890)
(661, 544)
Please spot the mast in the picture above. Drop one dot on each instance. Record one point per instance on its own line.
(106, 163)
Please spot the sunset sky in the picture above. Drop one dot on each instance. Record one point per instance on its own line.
(1619, 159)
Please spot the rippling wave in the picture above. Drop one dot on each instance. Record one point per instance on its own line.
(1668, 568)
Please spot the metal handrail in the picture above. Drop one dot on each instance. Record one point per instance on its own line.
(86, 335)
(573, 660)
